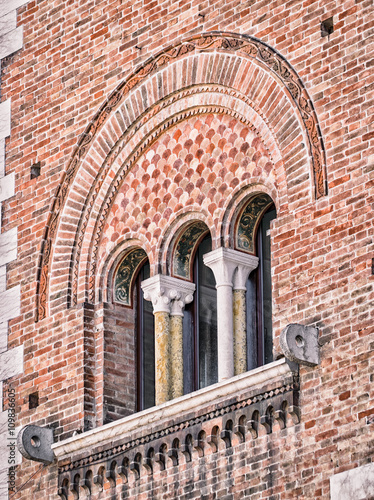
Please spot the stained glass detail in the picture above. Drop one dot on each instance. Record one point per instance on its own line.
(246, 231)
(125, 275)
(185, 248)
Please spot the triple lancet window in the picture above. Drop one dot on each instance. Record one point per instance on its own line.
(211, 317)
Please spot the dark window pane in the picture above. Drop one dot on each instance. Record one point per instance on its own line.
(251, 302)
(207, 318)
(266, 286)
(259, 300)
(146, 346)
(188, 350)
(200, 327)
(148, 355)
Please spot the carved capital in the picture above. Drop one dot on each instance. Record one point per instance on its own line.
(168, 294)
(247, 264)
(230, 267)
(184, 295)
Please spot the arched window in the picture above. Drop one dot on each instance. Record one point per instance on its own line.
(259, 298)
(134, 375)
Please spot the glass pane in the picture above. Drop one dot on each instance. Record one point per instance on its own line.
(251, 303)
(266, 278)
(207, 314)
(259, 301)
(188, 350)
(148, 347)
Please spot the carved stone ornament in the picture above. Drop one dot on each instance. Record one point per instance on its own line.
(299, 343)
(35, 443)
(168, 294)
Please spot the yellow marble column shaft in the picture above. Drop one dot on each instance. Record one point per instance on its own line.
(162, 340)
(240, 332)
(176, 356)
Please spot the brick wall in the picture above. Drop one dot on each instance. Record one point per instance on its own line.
(119, 362)
(61, 89)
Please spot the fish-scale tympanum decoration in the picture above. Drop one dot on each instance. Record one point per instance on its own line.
(255, 78)
(198, 163)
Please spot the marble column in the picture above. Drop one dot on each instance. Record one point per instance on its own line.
(224, 262)
(240, 317)
(184, 295)
(169, 296)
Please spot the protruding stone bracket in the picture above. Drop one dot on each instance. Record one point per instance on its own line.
(135, 469)
(98, 480)
(187, 452)
(299, 343)
(239, 430)
(85, 484)
(147, 464)
(173, 455)
(160, 460)
(35, 443)
(226, 436)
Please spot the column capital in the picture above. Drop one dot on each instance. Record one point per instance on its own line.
(245, 267)
(168, 294)
(183, 291)
(225, 261)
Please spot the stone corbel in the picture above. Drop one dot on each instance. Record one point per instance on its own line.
(299, 343)
(35, 443)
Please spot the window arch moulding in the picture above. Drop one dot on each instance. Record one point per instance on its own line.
(244, 47)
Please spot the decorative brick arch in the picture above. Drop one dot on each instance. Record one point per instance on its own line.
(225, 74)
(160, 188)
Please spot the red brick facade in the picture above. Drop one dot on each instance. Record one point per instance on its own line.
(145, 116)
